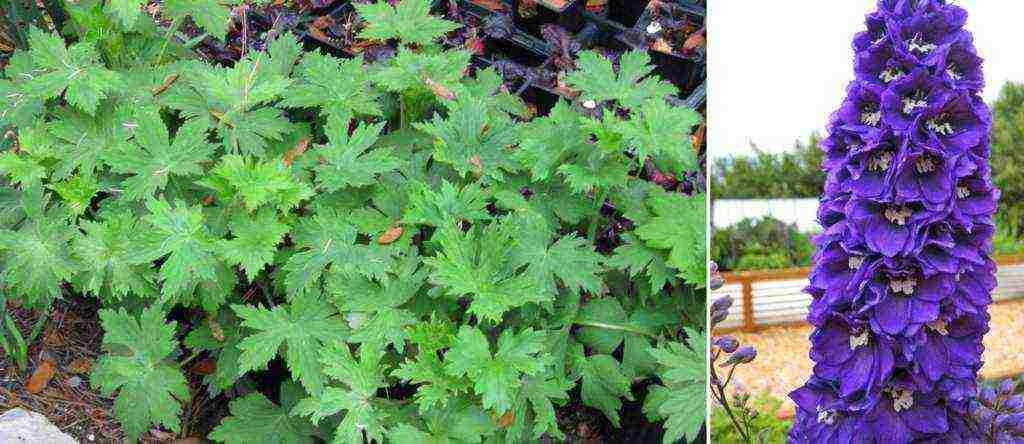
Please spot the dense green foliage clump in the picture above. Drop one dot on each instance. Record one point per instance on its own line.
(761, 244)
(398, 227)
(795, 173)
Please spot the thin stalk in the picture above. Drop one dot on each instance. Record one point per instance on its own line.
(596, 217)
(616, 327)
(167, 40)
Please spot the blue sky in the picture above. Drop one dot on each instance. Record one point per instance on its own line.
(777, 72)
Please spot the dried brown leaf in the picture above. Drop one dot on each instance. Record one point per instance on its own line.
(42, 376)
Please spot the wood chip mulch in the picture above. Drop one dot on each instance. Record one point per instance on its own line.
(782, 364)
(68, 345)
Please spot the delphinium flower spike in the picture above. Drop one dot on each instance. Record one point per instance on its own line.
(903, 275)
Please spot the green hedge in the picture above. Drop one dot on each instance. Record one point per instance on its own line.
(761, 244)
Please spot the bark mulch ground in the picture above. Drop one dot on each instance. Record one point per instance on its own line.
(782, 364)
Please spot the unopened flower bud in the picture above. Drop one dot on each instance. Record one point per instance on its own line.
(717, 282)
(721, 304)
(987, 396)
(1007, 387)
(742, 356)
(718, 316)
(1013, 404)
(728, 344)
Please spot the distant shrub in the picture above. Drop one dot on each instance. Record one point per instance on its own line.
(761, 244)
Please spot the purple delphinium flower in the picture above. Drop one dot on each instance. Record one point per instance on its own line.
(903, 275)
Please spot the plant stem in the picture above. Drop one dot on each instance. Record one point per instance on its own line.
(596, 217)
(616, 327)
(167, 40)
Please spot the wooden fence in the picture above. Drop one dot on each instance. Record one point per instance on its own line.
(776, 297)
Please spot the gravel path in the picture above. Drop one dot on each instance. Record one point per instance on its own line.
(782, 363)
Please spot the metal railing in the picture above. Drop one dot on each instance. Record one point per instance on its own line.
(776, 297)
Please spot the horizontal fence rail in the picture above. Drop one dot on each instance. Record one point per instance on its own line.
(776, 297)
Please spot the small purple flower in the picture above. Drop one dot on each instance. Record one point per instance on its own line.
(862, 111)
(887, 227)
(899, 297)
(852, 354)
(925, 175)
(959, 64)
(907, 97)
(955, 124)
(902, 415)
(871, 167)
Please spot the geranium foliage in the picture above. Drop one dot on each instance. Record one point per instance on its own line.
(412, 254)
(902, 275)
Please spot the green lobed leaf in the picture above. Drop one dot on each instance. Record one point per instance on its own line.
(149, 390)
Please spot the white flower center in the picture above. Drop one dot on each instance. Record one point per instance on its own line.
(925, 165)
(826, 416)
(903, 286)
(939, 126)
(871, 118)
(880, 161)
(891, 74)
(898, 214)
(855, 262)
(910, 104)
(940, 326)
(963, 192)
(902, 399)
(859, 340)
(953, 73)
(918, 44)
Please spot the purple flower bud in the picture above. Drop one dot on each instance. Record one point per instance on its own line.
(717, 282)
(728, 344)
(718, 316)
(986, 418)
(987, 396)
(1007, 387)
(1013, 404)
(1013, 421)
(721, 304)
(742, 356)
